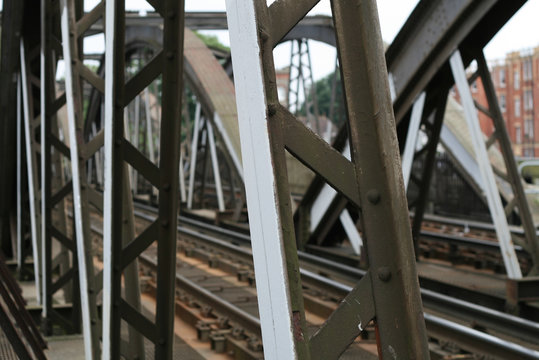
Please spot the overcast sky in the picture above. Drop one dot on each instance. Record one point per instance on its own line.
(518, 34)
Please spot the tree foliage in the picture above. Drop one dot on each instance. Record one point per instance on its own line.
(212, 42)
(323, 95)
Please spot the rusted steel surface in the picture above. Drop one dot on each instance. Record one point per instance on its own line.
(377, 176)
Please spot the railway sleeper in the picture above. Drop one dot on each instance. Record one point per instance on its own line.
(221, 334)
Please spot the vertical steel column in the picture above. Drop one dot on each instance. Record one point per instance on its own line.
(497, 211)
(118, 153)
(54, 190)
(532, 241)
(204, 142)
(12, 26)
(430, 160)
(272, 232)
(30, 125)
(20, 237)
(372, 180)
(80, 151)
(394, 284)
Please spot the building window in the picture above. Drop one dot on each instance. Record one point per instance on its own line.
(528, 100)
(528, 128)
(518, 135)
(527, 69)
(516, 78)
(502, 102)
(517, 107)
(502, 77)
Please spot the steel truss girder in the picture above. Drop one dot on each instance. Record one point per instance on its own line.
(12, 23)
(301, 81)
(433, 129)
(390, 291)
(54, 188)
(78, 152)
(500, 135)
(468, 22)
(414, 71)
(118, 153)
(531, 239)
(204, 137)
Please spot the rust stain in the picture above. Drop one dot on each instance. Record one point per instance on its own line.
(296, 323)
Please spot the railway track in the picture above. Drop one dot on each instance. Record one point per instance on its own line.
(449, 320)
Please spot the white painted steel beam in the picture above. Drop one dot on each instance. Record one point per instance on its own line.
(183, 195)
(31, 163)
(325, 198)
(77, 204)
(260, 184)
(215, 165)
(110, 20)
(351, 231)
(20, 249)
(193, 158)
(491, 190)
(149, 125)
(411, 138)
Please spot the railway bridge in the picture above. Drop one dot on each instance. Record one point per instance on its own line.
(162, 200)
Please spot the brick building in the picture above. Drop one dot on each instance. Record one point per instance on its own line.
(517, 85)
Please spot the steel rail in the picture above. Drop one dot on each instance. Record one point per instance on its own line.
(467, 241)
(492, 319)
(463, 241)
(469, 339)
(242, 318)
(471, 224)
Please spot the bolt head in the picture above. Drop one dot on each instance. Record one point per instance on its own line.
(384, 273)
(373, 196)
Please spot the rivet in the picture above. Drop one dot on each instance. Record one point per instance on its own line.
(264, 34)
(118, 142)
(170, 55)
(171, 14)
(384, 273)
(166, 187)
(272, 109)
(161, 341)
(373, 196)
(164, 223)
